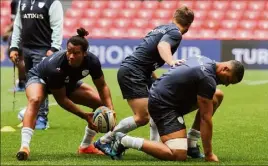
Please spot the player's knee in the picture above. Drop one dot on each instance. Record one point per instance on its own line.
(143, 119)
(35, 100)
(218, 97)
(178, 146)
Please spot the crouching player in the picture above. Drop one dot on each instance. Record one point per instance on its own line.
(179, 91)
(60, 75)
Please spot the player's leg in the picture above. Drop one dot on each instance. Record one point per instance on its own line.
(134, 89)
(84, 94)
(42, 118)
(21, 72)
(35, 93)
(171, 127)
(194, 132)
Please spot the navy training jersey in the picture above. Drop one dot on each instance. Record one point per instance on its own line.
(146, 56)
(57, 73)
(179, 87)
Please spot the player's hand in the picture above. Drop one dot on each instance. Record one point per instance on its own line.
(49, 52)
(114, 113)
(14, 56)
(176, 62)
(91, 125)
(212, 157)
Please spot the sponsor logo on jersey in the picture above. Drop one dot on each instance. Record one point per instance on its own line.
(33, 16)
(85, 72)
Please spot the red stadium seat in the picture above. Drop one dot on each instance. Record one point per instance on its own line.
(247, 24)
(233, 14)
(135, 33)
(216, 15)
(229, 24)
(150, 5)
(243, 34)
(260, 35)
(238, 5)
(99, 32)
(207, 34)
(122, 23)
(256, 5)
(74, 13)
(156, 22)
(109, 13)
(187, 3)
(80, 4)
(117, 33)
(200, 15)
(70, 23)
(163, 14)
(251, 15)
(127, 13)
(170, 5)
(116, 4)
(146, 14)
(263, 25)
(264, 15)
(211, 24)
(266, 6)
(220, 5)
(104, 23)
(139, 23)
(225, 34)
(97, 4)
(197, 24)
(192, 34)
(87, 23)
(202, 5)
(5, 4)
(5, 12)
(133, 4)
(91, 13)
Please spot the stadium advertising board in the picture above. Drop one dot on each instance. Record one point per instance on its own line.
(111, 52)
(253, 54)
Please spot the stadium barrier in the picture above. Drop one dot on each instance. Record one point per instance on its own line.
(254, 54)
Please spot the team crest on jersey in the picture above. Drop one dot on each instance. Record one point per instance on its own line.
(23, 6)
(41, 4)
(67, 79)
(85, 72)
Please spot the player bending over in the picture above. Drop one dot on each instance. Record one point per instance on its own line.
(176, 93)
(60, 75)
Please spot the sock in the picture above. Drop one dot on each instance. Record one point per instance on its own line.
(126, 125)
(88, 137)
(26, 136)
(154, 135)
(193, 136)
(132, 142)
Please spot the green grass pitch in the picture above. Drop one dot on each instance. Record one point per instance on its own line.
(240, 128)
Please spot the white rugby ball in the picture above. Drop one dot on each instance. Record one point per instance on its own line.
(104, 119)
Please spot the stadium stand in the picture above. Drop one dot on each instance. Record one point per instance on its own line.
(232, 19)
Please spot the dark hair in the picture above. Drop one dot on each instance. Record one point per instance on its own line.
(184, 16)
(80, 39)
(238, 69)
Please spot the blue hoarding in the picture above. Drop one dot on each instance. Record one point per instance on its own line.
(111, 52)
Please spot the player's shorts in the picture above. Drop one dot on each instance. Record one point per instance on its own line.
(133, 84)
(167, 119)
(69, 88)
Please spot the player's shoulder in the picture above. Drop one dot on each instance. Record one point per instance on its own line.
(92, 58)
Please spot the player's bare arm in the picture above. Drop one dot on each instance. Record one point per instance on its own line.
(104, 92)
(154, 75)
(206, 111)
(164, 49)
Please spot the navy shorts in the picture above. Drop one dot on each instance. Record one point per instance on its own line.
(167, 119)
(133, 84)
(69, 88)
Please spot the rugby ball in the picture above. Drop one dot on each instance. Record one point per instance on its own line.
(104, 119)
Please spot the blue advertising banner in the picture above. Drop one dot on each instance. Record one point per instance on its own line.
(111, 52)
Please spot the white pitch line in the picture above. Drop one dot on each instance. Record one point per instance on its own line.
(255, 82)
